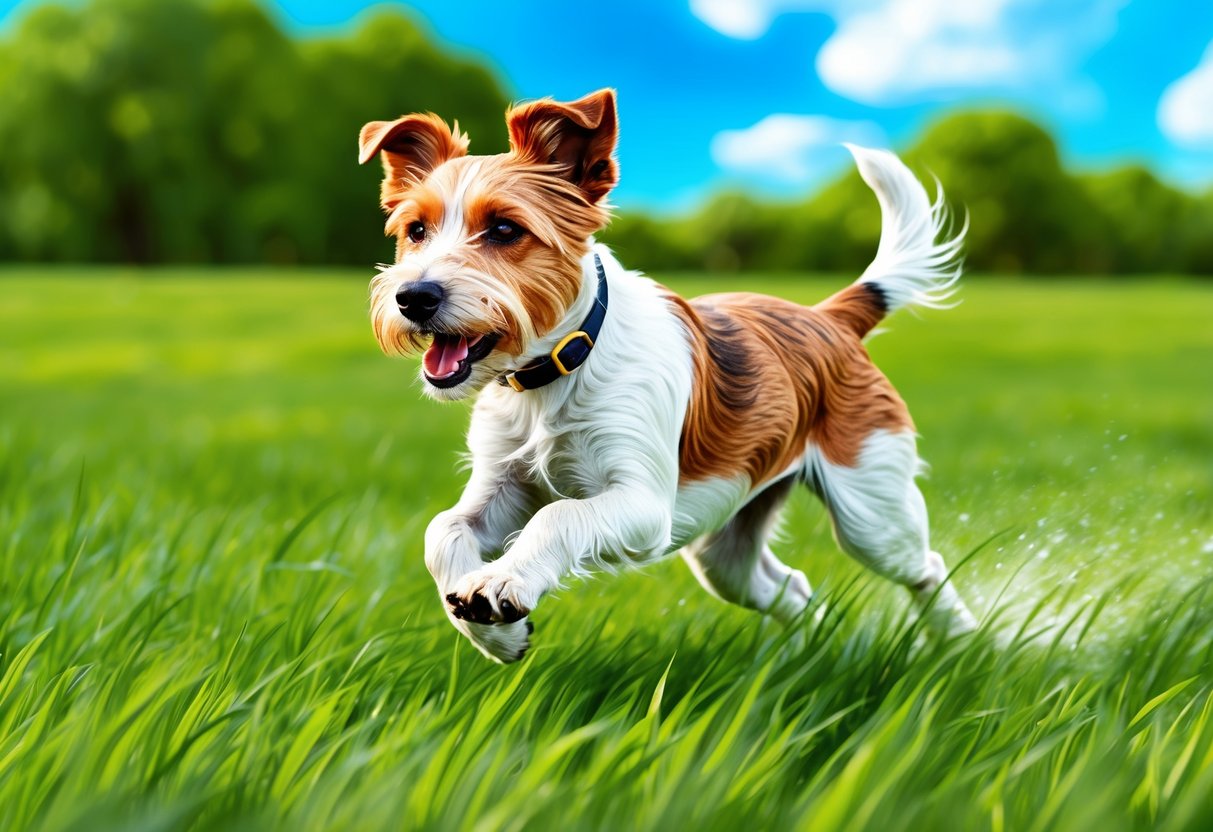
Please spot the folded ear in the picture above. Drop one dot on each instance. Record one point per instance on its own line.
(578, 136)
(412, 146)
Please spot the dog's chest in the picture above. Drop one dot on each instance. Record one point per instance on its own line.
(559, 452)
(563, 463)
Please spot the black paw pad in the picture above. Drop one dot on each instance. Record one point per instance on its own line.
(479, 611)
(476, 610)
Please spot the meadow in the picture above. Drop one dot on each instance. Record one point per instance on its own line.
(214, 611)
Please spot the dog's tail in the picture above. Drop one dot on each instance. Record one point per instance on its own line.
(918, 260)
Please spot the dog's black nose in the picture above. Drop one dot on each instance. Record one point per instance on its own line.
(419, 301)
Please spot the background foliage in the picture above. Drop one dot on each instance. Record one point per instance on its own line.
(168, 131)
(193, 131)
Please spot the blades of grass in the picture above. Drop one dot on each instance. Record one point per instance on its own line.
(18, 664)
(302, 523)
(725, 742)
(1159, 700)
(1198, 733)
(452, 685)
(309, 733)
(654, 710)
(842, 797)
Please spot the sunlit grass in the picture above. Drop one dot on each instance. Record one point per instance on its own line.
(214, 611)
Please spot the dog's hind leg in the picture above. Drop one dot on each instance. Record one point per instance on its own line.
(736, 565)
(880, 519)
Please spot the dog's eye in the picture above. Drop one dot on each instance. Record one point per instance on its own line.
(416, 231)
(504, 231)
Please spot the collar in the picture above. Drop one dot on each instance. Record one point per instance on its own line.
(571, 352)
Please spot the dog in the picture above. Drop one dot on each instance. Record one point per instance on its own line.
(616, 423)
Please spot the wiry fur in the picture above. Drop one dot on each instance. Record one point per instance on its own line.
(913, 265)
(689, 422)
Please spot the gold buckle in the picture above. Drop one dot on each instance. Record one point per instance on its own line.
(515, 383)
(564, 342)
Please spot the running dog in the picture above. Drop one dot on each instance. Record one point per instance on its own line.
(616, 422)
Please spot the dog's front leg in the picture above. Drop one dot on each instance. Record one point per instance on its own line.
(620, 525)
(460, 540)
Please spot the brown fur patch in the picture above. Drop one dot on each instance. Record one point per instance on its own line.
(575, 138)
(412, 146)
(861, 306)
(772, 376)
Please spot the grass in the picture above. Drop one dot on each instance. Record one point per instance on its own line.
(214, 611)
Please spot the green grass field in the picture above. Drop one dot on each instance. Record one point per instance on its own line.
(215, 614)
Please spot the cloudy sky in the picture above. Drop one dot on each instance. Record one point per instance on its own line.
(761, 92)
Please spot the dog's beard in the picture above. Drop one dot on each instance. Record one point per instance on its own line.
(474, 338)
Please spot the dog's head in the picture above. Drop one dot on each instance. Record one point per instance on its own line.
(488, 248)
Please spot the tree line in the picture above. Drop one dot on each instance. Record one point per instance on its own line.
(198, 131)
(1026, 214)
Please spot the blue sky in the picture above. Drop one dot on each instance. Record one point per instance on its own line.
(759, 93)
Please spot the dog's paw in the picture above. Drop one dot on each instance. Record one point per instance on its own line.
(485, 597)
(503, 643)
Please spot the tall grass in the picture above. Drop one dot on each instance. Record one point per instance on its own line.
(214, 612)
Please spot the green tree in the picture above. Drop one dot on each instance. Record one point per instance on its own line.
(131, 128)
(1025, 213)
(1198, 233)
(197, 131)
(1146, 223)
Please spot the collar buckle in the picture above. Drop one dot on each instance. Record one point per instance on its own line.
(564, 342)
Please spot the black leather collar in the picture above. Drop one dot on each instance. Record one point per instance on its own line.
(571, 352)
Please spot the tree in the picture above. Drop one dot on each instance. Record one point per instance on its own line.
(1145, 222)
(197, 131)
(1025, 213)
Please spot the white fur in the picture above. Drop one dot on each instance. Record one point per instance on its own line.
(734, 562)
(706, 505)
(880, 519)
(916, 263)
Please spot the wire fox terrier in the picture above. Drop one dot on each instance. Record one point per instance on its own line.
(616, 422)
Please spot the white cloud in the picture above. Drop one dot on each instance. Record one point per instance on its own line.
(747, 19)
(1185, 111)
(906, 47)
(792, 149)
(897, 51)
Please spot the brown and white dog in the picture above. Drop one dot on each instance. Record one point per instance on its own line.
(616, 422)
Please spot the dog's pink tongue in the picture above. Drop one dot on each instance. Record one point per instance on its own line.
(443, 357)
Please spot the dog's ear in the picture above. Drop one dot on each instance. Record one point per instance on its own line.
(412, 146)
(578, 136)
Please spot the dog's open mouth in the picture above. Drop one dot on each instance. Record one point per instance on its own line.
(450, 357)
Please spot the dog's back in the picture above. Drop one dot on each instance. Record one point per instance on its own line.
(819, 386)
(773, 376)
